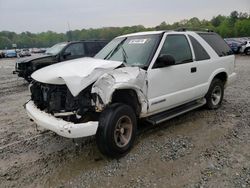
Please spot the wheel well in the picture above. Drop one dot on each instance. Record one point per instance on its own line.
(222, 76)
(129, 97)
(246, 49)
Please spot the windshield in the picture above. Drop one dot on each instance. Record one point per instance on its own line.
(55, 49)
(133, 50)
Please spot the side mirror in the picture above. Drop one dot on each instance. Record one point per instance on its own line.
(164, 61)
(66, 54)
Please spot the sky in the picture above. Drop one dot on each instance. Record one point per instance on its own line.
(59, 15)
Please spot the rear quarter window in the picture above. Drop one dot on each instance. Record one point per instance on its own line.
(217, 43)
(199, 51)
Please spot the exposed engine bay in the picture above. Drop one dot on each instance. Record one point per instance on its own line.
(58, 101)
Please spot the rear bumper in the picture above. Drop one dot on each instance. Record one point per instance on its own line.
(59, 126)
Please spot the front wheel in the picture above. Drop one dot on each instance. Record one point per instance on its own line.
(117, 130)
(215, 94)
(247, 51)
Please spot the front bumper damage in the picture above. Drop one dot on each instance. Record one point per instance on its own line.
(59, 126)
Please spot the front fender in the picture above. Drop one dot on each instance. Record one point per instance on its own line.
(124, 78)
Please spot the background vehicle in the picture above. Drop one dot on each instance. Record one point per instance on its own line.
(234, 45)
(38, 50)
(246, 48)
(2, 54)
(153, 76)
(10, 53)
(24, 52)
(58, 53)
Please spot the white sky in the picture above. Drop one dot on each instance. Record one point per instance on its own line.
(44, 15)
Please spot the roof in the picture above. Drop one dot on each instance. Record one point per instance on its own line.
(143, 33)
(163, 31)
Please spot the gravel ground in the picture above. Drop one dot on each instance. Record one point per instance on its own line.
(199, 149)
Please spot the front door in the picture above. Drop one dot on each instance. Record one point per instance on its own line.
(173, 85)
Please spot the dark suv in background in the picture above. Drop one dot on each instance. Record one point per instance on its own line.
(58, 53)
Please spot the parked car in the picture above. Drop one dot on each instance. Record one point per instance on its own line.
(58, 53)
(234, 45)
(2, 54)
(10, 53)
(24, 53)
(246, 48)
(152, 76)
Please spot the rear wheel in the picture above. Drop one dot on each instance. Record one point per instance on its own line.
(117, 130)
(215, 94)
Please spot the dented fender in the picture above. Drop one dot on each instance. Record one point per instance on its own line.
(133, 78)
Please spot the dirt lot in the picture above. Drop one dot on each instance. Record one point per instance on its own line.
(199, 149)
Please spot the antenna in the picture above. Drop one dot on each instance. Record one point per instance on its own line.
(69, 34)
(68, 26)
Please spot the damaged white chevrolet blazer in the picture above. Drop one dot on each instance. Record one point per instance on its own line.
(152, 76)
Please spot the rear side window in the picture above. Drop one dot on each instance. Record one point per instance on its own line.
(217, 43)
(199, 51)
(93, 47)
(102, 44)
(178, 47)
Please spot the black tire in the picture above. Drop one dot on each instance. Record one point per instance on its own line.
(216, 88)
(28, 78)
(247, 51)
(106, 136)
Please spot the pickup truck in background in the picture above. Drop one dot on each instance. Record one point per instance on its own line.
(60, 52)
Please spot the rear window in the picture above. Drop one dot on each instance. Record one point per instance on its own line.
(199, 51)
(93, 47)
(217, 43)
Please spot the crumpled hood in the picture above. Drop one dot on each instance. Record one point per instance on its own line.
(77, 74)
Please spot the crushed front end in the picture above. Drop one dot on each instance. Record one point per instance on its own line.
(55, 108)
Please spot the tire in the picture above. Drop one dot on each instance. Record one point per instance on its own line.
(215, 94)
(28, 79)
(247, 51)
(116, 121)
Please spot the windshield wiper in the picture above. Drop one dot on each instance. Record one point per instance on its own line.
(124, 55)
(110, 54)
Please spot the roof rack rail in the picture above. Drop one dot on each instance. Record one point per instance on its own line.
(92, 40)
(193, 29)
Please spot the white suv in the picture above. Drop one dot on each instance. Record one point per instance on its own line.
(152, 76)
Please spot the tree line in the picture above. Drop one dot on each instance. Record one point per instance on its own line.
(237, 24)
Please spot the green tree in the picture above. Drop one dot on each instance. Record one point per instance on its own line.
(235, 25)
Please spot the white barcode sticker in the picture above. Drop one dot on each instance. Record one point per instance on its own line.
(138, 41)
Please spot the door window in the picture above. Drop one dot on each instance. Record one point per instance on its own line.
(75, 50)
(178, 47)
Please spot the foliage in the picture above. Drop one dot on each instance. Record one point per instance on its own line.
(235, 25)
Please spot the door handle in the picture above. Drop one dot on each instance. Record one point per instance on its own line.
(193, 69)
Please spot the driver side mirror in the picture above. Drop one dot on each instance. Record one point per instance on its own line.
(164, 61)
(66, 54)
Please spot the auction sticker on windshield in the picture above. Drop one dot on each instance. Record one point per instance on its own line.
(138, 41)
